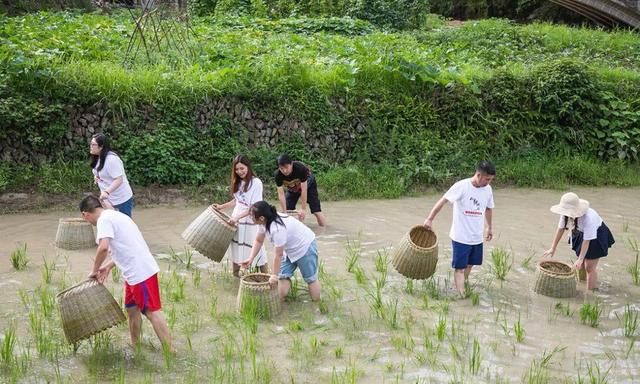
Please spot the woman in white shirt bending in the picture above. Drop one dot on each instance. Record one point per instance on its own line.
(590, 236)
(246, 189)
(294, 244)
(108, 173)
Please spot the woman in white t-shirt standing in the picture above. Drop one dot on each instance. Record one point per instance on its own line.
(246, 189)
(294, 244)
(590, 236)
(108, 173)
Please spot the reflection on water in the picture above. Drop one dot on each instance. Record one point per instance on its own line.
(372, 326)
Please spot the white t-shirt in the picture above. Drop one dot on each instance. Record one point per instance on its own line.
(245, 199)
(112, 169)
(587, 224)
(469, 205)
(294, 236)
(128, 249)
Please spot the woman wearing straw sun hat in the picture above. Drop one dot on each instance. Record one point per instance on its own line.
(590, 236)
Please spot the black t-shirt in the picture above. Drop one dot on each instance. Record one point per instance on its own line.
(299, 174)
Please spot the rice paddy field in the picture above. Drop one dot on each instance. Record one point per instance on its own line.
(372, 324)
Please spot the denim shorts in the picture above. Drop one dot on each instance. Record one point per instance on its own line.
(465, 255)
(126, 207)
(308, 265)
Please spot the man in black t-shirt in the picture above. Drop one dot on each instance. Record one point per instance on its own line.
(296, 182)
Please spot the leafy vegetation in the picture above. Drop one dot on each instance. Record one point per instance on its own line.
(383, 112)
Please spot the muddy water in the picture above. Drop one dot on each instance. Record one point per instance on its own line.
(344, 340)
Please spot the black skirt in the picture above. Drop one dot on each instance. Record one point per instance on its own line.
(598, 247)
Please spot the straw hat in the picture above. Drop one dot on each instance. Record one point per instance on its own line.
(571, 206)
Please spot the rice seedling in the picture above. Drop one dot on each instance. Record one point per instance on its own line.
(19, 258)
(502, 261)
(432, 288)
(538, 370)
(314, 346)
(47, 301)
(518, 330)
(475, 358)
(39, 333)
(350, 374)
(192, 322)
(171, 316)
(408, 288)
(8, 346)
(323, 306)
(295, 326)
(295, 290)
(590, 314)
(564, 309)
(251, 312)
(195, 278)
(353, 254)
(594, 374)
(376, 303)
(391, 313)
(116, 274)
(167, 355)
(475, 298)
(382, 261)
(338, 353)
(441, 327)
(526, 262)
(629, 321)
(46, 271)
(176, 287)
(634, 268)
(359, 274)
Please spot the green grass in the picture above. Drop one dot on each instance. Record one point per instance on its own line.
(629, 320)
(502, 260)
(19, 258)
(634, 268)
(590, 313)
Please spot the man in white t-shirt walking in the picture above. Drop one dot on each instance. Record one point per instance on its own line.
(472, 201)
(116, 232)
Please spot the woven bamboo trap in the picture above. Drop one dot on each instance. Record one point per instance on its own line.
(210, 233)
(86, 309)
(75, 233)
(255, 288)
(555, 279)
(416, 256)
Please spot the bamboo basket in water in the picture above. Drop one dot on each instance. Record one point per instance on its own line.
(555, 279)
(255, 288)
(416, 256)
(210, 233)
(86, 309)
(75, 233)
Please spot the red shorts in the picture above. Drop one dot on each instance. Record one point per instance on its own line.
(144, 295)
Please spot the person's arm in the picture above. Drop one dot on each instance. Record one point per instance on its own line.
(488, 216)
(583, 252)
(257, 245)
(277, 260)
(303, 200)
(554, 243)
(104, 195)
(428, 222)
(229, 204)
(281, 198)
(101, 255)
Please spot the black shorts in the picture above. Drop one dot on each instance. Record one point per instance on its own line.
(598, 247)
(312, 196)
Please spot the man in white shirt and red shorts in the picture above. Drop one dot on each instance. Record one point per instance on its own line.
(116, 232)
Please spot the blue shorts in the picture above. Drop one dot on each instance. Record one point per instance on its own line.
(308, 265)
(126, 207)
(465, 255)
